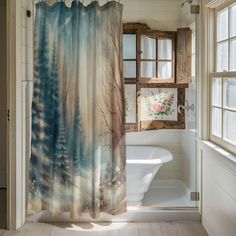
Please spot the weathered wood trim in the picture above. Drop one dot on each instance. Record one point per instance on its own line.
(184, 56)
(157, 81)
(156, 124)
(162, 85)
(159, 34)
(161, 124)
(131, 127)
(133, 27)
(143, 29)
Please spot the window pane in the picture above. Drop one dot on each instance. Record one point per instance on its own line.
(148, 47)
(230, 93)
(164, 49)
(148, 69)
(129, 46)
(130, 103)
(222, 56)
(233, 55)
(222, 25)
(164, 70)
(130, 69)
(216, 121)
(233, 20)
(230, 126)
(217, 92)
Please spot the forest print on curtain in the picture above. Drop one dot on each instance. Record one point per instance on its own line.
(77, 159)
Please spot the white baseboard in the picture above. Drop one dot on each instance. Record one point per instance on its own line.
(138, 215)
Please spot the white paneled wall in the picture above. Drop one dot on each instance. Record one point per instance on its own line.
(27, 40)
(218, 191)
(26, 73)
(3, 95)
(188, 163)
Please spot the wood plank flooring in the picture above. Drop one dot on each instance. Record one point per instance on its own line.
(110, 229)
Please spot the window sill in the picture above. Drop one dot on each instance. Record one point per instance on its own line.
(223, 152)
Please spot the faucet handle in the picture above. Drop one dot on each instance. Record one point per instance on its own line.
(180, 107)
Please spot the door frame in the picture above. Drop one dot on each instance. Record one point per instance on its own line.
(15, 159)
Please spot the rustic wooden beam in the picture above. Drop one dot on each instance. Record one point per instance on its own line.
(184, 56)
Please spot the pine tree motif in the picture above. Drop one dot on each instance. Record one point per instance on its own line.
(39, 160)
(78, 153)
(62, 164)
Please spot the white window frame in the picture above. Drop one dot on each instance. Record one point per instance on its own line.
(226, 74)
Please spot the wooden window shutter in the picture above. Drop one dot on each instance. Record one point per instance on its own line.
(183, 56)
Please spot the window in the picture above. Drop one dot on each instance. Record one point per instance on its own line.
(129, 56)
(152, 89)
(157, 58)
(223, 80)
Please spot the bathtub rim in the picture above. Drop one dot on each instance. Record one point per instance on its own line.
(156, 160)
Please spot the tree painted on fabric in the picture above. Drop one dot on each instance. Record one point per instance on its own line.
(78, 150)
(111, 105)
(62, 167)
(39, 162)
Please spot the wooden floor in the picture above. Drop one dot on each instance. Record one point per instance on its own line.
(110, 229)
(101, 229)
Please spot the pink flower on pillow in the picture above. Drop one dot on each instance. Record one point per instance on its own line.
(158, 107)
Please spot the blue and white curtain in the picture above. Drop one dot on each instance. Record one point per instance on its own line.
(78, 159)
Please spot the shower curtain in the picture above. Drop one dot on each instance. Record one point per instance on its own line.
(77, 159)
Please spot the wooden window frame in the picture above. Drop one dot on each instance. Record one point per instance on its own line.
(158, 35)
(142, 29)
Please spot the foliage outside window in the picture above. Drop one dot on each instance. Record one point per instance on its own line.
(223, 80)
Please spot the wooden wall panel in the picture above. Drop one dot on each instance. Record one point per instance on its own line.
(183, 56)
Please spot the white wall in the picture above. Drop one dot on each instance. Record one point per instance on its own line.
(189, 166)
(186, 17)
(3, 95)
(27, 74)
(218, 171)
(218, 191)
(158, 14)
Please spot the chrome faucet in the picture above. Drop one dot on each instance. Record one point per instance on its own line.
(186, 107)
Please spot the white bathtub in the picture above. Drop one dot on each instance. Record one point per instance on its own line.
(142, 164)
